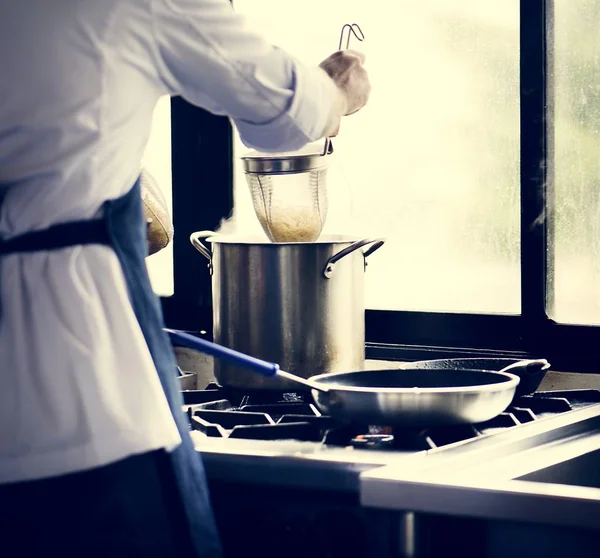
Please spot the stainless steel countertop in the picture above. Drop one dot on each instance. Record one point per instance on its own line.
(484, 477)
(291, 463)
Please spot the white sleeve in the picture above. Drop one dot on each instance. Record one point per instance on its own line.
(207, 54)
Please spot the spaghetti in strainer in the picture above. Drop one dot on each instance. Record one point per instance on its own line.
(289, 193)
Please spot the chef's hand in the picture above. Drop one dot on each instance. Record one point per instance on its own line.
(346, 69)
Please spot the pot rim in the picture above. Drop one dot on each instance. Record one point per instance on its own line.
(327, 239)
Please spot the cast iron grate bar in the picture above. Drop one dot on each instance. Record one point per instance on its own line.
(220, 405)
(291, 431)
(452, 434)
(213, 386)
(322, 422)
(194, 397)
(503, 420)
(212, 430)
(523, 415)
(544, 404)
(229, 419)
(574, 396)
(283, 409)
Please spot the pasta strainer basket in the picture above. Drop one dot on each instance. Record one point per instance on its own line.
(289, 193)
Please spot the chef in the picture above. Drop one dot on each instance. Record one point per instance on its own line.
(95, 458)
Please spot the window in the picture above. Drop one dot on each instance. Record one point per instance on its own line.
(477, 158)
(432, 163)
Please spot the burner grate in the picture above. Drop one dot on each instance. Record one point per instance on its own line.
(229, 413)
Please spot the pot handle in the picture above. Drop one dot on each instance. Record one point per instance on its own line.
(195, 240)
(376, 242)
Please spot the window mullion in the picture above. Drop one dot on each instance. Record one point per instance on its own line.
(537, 293)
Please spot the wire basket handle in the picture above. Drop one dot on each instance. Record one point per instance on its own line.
(353, 29)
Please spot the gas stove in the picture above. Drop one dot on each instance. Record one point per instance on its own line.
(229, 425)
(287, 480)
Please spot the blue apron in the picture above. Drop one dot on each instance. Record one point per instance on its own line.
(182, 473)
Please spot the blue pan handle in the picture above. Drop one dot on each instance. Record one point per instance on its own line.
(180, 339)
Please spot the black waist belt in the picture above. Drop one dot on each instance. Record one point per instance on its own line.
(65, 235)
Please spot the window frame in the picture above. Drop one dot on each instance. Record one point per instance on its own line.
(202, 157)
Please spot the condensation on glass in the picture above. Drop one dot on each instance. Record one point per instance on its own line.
(432, 163)
(576, 75)
(157, 160)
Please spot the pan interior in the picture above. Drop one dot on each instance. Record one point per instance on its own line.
(414, 378)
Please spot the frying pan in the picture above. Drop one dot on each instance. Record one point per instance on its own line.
(414, 398)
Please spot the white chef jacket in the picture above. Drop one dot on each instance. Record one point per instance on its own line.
(79, 80)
